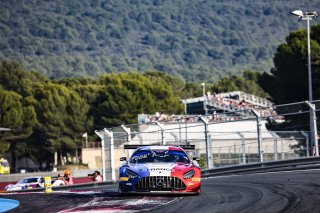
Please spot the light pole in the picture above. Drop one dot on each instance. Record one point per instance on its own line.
(205, 98)
(307, 16)
(203, 88)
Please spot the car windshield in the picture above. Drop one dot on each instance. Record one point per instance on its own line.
(159, 156)
(4, 164)
(29, 180)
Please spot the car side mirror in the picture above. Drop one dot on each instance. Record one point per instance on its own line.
(123, 159)
(195, 158)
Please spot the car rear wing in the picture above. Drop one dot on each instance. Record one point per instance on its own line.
(136, 146)
(187, 147)
(133, 146)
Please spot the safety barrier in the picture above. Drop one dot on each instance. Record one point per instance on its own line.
(281, 165)
(93, 185)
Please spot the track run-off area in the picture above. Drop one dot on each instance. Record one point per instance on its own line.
(283, 191)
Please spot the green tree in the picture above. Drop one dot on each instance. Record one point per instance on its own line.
(288, 81)
(249, 83)
(62, 117)
(17, 117)
(14, 78)
(126, 95)
(290, 74)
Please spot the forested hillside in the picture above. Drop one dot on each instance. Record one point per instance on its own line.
(198, 40)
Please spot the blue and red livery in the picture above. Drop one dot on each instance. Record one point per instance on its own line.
(159, 169)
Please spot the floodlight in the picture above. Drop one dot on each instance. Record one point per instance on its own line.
(298, 13)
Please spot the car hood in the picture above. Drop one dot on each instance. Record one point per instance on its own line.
(155, 169)
(14, 187)
(17, 185)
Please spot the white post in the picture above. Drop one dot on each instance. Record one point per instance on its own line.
(163, 140)
(208, 143)
(260, 152)
(306, 135)
(113, 170)
(275, 145)
(175, 138)
(309, 60)
(85, 135)
(128, 131)
(313, 127)
(203, 89)
(242, 147)
(103, 155)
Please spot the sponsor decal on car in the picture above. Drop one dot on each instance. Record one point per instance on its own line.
(123, 179)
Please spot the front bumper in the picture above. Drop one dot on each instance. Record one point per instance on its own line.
(160, 185)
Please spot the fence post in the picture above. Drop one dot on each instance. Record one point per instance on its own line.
(175, 138)
(163, 140)
(313, 127)
(208, 143)
(210, 150)
(275, 149)
(306, 135)
(103, 154)
(282, 152)
(242, 147)
(259, 134)
(113, 170)
(128, 131)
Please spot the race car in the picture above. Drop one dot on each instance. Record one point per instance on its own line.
(26, 183)
(159, 169)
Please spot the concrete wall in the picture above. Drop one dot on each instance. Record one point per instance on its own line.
(92, 157)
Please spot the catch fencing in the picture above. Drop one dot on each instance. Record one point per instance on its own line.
(226, 138)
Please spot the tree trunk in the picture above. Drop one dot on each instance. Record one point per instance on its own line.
(61, 157)
(13, 146)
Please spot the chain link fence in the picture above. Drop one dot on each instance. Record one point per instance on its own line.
(221, 139)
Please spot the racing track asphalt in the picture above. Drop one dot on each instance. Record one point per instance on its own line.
(292, 191)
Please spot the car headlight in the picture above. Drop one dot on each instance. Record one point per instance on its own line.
(189, 174)
(131, 174)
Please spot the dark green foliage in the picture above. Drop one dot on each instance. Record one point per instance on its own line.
(50, 116)
(289, 79)
(17, 117)
(288, 82)
(194, 40)
(123, 96)
(249, 83)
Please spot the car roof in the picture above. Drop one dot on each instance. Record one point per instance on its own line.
(32, 177)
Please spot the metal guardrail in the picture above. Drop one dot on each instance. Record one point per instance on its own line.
(19, 176)
(67, 187)
(281, 165)
(292, 164)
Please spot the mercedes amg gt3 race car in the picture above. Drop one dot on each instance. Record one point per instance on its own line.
(159, 169)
